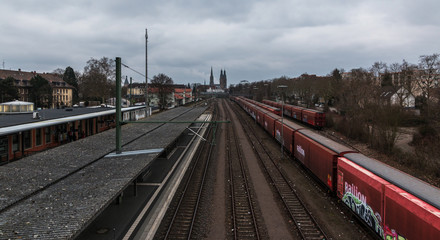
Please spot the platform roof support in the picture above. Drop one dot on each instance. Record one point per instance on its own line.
(118, 105)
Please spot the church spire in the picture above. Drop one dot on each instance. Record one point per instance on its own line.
(211, 79)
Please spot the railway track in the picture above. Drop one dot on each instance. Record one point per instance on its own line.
(184, 216)
(181, 221)
(244, 219)
(306, 224)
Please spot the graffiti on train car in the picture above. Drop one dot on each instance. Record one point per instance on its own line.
(278, 135)
(391, 234)
(301, 151)
(357, 201)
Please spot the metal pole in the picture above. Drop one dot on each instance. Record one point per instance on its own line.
(129, 98)
(282, 128)
(118, 105)
(147, 100)
(282, 120)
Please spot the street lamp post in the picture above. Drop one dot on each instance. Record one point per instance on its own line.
(255, 93)
(147, 102)
(282, 120)
(255, 98)
(265, 90)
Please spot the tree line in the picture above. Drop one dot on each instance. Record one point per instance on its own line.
(96, 83)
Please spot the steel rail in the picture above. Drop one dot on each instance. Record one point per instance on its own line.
(302, 219)
(234, 198)
(184, 205)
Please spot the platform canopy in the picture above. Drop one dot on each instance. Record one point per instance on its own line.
(16, 107)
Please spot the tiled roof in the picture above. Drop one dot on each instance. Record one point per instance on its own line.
(21, 75)
(181, 90)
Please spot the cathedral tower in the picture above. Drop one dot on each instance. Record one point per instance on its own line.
(223, 81)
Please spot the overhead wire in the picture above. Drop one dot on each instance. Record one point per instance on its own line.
(125, 65)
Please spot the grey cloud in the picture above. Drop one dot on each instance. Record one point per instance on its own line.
(252, 39)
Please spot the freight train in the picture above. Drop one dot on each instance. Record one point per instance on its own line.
(309, 116)
(394, 205)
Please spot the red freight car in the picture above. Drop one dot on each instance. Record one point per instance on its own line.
(260, 117)
(269, 122)
(287, 132)
(402, 203)
(362, 192)
(297, 113)
(274, 110)
(407, 217)
(272, 103)
(416, 187)
(264, 106)
(319, 154)
(253, 111)
(268, 102)
(287, 110)
(313, 117)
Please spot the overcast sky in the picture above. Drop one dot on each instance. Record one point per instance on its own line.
(253, 40)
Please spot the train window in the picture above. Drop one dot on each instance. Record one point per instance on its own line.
(15, 143)
(27, 139)
(38, 136)
(47, 134)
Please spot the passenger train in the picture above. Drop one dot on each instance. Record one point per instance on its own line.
(25, 134)
(393, 204)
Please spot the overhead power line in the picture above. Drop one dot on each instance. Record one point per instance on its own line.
(143, 75)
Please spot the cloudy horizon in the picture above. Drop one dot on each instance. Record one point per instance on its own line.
(252, 40)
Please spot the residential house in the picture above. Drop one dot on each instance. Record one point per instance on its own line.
(61, 91)
(179, 96)
(400, 97)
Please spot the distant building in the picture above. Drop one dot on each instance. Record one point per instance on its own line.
(223, 80)
(400, 97)
(180, 95)
(61, 91)
(211, 79)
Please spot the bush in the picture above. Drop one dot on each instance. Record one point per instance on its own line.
(329, 122)
(427, 131)
(410, 120)
(426, 134)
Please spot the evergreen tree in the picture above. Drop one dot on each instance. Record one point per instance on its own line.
(41, 92)
(70, 78)
(8, 91)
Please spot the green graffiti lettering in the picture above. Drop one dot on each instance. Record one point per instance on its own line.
(365, 212)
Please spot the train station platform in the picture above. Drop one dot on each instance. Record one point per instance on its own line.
(57, 193)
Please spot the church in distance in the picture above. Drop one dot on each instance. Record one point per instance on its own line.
(218, 87)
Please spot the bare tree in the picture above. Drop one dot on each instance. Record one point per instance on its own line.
(403, 81)
(98, 80)
(59, 72)
(164, 85)
(377, 70)
(428, 77)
